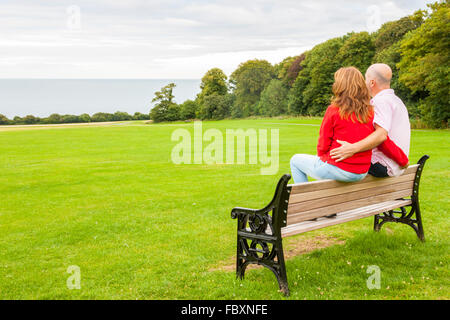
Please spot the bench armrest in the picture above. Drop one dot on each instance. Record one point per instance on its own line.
(239, 210)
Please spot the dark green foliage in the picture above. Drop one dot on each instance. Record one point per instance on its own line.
(165, 109)
(53, 118)
(394, 31)
(357, 51)
(140, 116)
(213, 82)
(387, 43)
(188, 110)
(311, 92)
(4, 120)
(85, 117)
(214, 101)
(425, 65)
(122, 116)
(102, 117)
(216, 106)
(29, 119)
(248, 82)
(273, 100)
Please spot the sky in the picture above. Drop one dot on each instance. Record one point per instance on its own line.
(165, 39)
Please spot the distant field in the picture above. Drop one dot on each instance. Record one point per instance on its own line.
(109, 200)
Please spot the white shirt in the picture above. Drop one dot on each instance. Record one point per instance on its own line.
(392, 115)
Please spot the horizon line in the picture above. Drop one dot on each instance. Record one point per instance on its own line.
(100, 78)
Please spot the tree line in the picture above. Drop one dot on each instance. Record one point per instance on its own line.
(416, 47)
(68, 118)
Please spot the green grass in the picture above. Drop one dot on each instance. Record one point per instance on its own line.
(109, 200)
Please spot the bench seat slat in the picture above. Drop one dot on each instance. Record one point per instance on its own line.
(328, 184)
(342, 217)
(355, 199)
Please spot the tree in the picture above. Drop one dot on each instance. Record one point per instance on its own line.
(165, 109)
(30, 119)
(18, 120)
(311, 92)
(273, 100)
(213, 82)
(293, 70)
(4, 119)
(102, 117)
(85, 118)
(357, 51)
(140, 116)
(173, 112)
(387, 45)
(248, 81)
(53, 118)
(188, 109)
(121, 116)
(69, 118)
(393, 31)
(424, 65)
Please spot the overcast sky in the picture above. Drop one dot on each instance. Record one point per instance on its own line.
(172, 39)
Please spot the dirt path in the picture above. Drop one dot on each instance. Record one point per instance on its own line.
(292, 248)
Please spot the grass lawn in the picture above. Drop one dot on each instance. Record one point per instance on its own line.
(109, 200)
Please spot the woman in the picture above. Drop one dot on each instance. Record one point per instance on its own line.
(348, 118)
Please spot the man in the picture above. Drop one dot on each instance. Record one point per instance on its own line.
(391, 122)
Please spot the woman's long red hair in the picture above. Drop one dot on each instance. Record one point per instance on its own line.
(351, 95)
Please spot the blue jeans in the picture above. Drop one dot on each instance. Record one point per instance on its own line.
(305, 164)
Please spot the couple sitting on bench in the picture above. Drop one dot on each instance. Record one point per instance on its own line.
(359, 135)
(358, 124)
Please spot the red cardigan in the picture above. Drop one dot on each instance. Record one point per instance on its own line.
(335, 128)
(391, 150)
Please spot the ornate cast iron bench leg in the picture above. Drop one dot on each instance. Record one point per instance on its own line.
(259, 238)
(406, 217)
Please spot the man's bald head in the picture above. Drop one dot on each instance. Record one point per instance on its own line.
(378, 77)
(381, 73)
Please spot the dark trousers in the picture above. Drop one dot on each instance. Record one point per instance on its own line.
(378, 170)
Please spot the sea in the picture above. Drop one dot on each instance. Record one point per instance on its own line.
(42, 97)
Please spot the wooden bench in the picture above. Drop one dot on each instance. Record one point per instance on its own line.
(302, 207)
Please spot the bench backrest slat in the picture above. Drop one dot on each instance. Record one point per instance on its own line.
(328, 184)
(336, 196)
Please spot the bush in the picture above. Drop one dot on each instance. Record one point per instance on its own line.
(4, 120)
(30, 119)
(140, 116)
(102, 117)
(216, 106)
(121, 116)
(188, 110)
